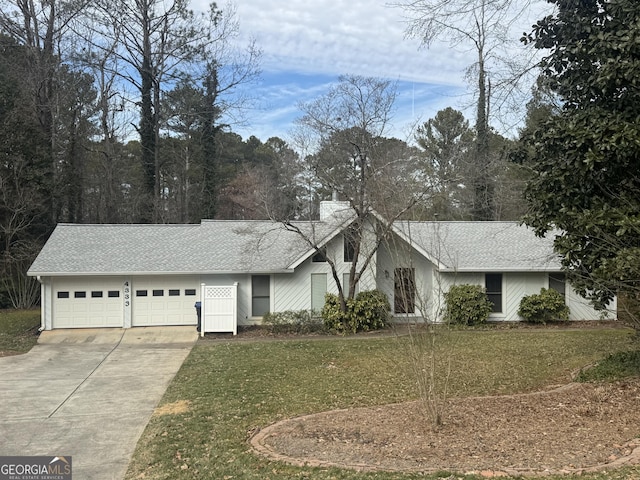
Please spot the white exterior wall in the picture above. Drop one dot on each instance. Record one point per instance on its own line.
(581, 309)
(293, 291)
(515, 286)
(398, 254)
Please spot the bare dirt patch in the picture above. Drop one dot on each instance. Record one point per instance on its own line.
(175, 408)
(575, 428)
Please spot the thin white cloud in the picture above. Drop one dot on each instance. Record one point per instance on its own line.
(307, 44)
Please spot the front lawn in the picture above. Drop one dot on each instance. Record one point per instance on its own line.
(227, 390)
(18, 331)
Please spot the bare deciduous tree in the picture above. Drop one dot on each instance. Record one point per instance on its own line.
(485, 26)
(345, 128)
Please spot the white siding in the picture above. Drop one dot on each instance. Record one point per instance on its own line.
(515, 287)
(581, 309)
(398, 254)
(518, 285)
(293, 291)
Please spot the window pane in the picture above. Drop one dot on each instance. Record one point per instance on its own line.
(320, 256)
(96, 294)
(404, 290)
(349, 245)
(493, 282)
(80, 294)
(260, 295)
(190, 292)
(260, 285)
(63, 294)
(259, 306)
(493, 287)
(174, 293)
(141, 293)
(557, 283)
(158, 293)
(496, 299)
(113, 294)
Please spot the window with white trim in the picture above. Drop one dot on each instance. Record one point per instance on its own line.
(260, 295)
(493, 288)
(558, 282)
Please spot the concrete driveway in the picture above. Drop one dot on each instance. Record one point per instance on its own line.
(88, 394)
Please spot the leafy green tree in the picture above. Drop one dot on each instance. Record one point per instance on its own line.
(586, 159)
(447, 143)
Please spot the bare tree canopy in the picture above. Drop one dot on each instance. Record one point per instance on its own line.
(486, 26)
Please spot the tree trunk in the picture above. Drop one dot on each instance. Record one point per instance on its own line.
(483, 208)
(147, 122)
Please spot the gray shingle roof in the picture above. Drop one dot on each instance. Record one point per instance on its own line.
(481, 246)
(211, 247)
(265, 246)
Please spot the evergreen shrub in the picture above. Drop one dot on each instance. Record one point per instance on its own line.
(467, 305)
(369, 310)
(293, 321)
(543, 307)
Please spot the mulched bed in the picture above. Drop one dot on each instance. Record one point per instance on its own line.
(575, 428)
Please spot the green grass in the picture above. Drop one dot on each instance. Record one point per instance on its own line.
(616, 366)
(18, 331)
(236, 387)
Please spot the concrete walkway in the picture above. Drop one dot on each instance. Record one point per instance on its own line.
(88, 394)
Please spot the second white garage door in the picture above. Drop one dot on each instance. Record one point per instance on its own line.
(164, 300)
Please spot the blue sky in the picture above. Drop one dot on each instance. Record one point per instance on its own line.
(307, 44)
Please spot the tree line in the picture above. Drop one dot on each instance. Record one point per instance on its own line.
(117, 112)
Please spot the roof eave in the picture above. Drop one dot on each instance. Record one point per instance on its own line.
(153, 273)
(312, 251)
(499, 270)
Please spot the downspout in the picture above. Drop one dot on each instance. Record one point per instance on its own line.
(42, 304)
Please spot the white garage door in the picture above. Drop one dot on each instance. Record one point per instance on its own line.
(164, 300)
(87, 302)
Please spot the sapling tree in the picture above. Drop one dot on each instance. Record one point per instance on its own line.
(428, 343)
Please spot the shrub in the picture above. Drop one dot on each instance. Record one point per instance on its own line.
(334, 318)
(370, 310)
(290, 321)
(467, 305)
(546, 306)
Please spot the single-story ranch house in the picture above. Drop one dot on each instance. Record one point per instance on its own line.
(144, 275)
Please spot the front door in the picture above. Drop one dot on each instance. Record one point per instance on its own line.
(404, 298)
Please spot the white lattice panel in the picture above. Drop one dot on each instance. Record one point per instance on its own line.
(218, 292)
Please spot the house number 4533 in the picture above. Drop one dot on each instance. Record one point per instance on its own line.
(127, 294)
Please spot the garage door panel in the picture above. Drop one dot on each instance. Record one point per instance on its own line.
(164, 300)
(87, 302)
